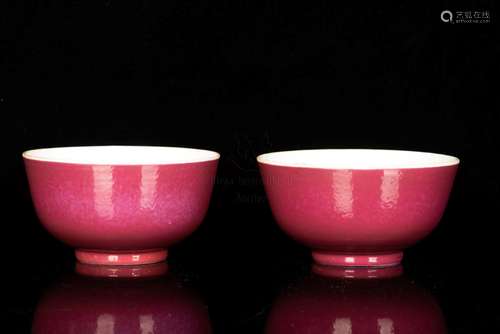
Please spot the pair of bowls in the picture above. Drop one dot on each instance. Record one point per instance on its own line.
(127, 204)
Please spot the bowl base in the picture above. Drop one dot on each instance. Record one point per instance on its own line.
(124, 258)
(357, 259)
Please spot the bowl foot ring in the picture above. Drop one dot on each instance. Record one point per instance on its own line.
(356, 259)
(125, 258)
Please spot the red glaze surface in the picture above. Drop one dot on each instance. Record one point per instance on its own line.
(87, 305)
(357, 217)
(127, 208)
(320, 305)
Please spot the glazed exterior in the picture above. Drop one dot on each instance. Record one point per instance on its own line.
(379, 211)
(120, 207)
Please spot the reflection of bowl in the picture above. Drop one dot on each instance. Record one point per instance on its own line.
(120, 271)
(357, 272)
(82, 305)
(120, 204)
(320, 305)
(357, 207)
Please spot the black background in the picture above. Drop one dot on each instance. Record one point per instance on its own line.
(244, 78)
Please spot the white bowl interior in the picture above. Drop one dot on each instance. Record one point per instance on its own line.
(121, 155)
(357, 159)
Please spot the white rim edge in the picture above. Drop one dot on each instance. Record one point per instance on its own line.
(350, 159)
(95, 155)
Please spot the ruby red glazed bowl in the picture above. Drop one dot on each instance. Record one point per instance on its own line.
(357, 207)
(120, 204)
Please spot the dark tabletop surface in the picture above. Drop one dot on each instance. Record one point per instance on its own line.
(251, 287)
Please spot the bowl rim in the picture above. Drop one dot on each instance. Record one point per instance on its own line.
(183, 155)
(434, 160)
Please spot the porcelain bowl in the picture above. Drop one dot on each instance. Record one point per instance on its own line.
(120, 204)
(357, 207)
